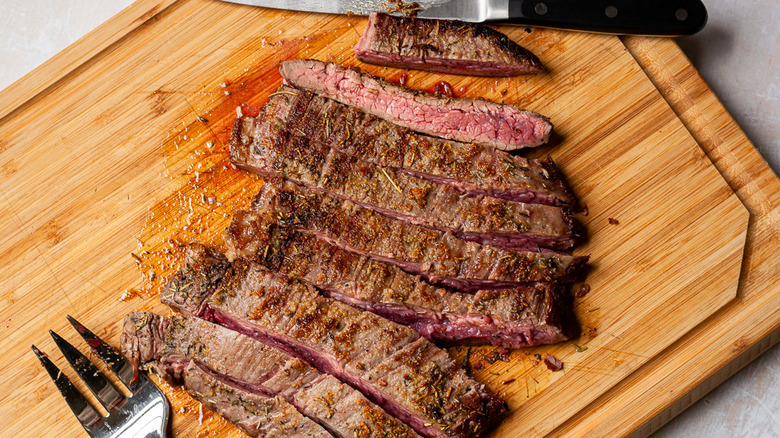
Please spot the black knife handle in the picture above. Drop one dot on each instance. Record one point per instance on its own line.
(628, 17)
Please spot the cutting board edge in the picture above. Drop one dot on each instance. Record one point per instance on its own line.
(643, 50)
(64, 63)
(769, 335)
(701, 389)
(764, 333)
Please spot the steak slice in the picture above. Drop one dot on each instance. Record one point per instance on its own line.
(245, 363)
(276, 152)
(390, 364)
(257, 414)
(438, 257)
(445, 46)
(468, 167)
(471, 120)
(540, 313)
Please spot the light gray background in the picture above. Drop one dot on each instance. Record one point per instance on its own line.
(737, 53)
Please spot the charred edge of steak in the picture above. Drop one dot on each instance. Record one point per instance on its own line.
(438, 257)
(140, 338)
(398, 195)
(445, 46)
(559, 312)
(529, 315)
(242, 362)
(383, 360)
(483, 415)
(255, 413)
(187, 290)
(559, 180)
(469, 120)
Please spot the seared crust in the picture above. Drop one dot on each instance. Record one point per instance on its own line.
(469, 120)
(467, 167)
(264, 144)
(534, 314)
(147, 341)
(192, 351)
(445, 46)
(390, 364)
(438, 257)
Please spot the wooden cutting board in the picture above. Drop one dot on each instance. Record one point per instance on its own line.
(113, 156)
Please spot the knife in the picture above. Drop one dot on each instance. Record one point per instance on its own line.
(626, 17)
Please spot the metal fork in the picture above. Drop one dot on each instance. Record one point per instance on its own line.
(143, 414)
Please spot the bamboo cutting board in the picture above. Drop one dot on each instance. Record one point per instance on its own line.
(113, 151)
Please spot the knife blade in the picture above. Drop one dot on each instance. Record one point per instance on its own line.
(625, 17)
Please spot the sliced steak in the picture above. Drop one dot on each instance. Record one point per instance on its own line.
(241, 362)
(471, 120)
(438, 257)
(390, 364)
(540, 313)
(257, 414)
(468, 167)
(444, 46)
(280, 153)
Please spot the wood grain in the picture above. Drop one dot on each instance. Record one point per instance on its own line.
(60, 66)
(107, 168)
(723, 343)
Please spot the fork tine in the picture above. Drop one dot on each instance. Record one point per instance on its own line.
(85, 413)
(103, 389)
(119, 366)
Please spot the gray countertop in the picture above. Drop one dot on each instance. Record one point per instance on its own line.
(738, 54)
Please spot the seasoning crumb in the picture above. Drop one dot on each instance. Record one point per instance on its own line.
(129, 294)
(466, 364)
(553, 363)
(407, 9)
(613, 221)
(203, 119)
(507, 381)
(583, 290)
(477, 366)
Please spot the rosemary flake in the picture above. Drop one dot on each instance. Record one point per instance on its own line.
(579, 348)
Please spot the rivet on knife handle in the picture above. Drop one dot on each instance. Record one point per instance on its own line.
(630, 17)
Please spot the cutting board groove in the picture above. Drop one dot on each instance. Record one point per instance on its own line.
(731, 337)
